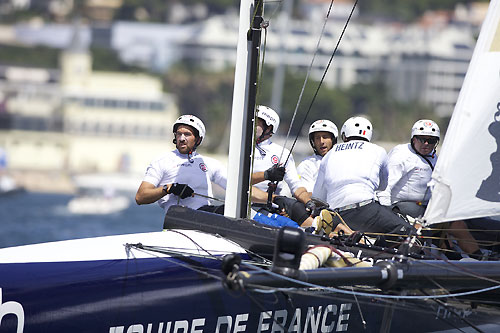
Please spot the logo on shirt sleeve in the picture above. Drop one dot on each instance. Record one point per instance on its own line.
(203, 167)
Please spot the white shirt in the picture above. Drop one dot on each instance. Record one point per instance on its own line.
(408, 177)
(308, 171)
(351, 172)
(269, 156)
(174, 167)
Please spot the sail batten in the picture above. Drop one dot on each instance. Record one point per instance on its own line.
(466, 181)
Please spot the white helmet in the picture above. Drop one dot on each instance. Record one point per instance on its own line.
(192, 121)
(425, 127)
(323, 126)
(269, 116)
(357, 127)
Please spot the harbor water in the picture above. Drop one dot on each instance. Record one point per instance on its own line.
(28, 218)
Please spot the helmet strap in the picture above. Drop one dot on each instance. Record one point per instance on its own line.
(266, 132)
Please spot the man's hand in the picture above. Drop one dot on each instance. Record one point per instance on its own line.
(182, 190)
(280, 201)
(310, 206)
(275, 173)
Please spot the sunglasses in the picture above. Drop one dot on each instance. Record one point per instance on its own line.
(431, 141)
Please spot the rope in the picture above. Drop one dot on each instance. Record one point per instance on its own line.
(323, 77)
(306, 79)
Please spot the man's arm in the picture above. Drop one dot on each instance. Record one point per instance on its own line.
(148, 193)
(257, 177)
(302, 195)
(259, 196)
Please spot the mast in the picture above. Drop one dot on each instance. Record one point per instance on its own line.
(244, 95)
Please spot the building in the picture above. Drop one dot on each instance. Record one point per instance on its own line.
(78, 120)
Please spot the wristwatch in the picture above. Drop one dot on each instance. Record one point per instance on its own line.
(165, 188)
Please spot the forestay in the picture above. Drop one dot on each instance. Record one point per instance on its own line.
(466, 180)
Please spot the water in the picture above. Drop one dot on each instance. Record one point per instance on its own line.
(28, 218)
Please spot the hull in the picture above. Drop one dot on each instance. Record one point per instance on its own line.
(120, 284)
(155, 296)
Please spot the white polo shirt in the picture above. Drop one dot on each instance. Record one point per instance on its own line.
(308, 171)
(408, 177)
(268, 155)
(351, 172)
(198, 173)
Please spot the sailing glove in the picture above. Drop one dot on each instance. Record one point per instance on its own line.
(275, 173)
(310, 206)
(182, 190)
(280, 201)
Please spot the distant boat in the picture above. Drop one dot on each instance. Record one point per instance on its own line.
(98, 205)
(9, 186)
(121, 182)
(103, 193)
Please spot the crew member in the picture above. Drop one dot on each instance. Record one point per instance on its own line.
(350, 174)
(268, 167)
(323, 136)
(176, 176)
(410, 167)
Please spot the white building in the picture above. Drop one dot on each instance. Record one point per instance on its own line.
(79, 120)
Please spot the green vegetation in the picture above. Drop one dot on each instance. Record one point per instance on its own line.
(46, 57)
(38, 56)
(405, 10)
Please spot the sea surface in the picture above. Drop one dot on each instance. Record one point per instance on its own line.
(28, 218)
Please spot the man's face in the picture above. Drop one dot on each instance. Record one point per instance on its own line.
(186, 139)
(261, 127)
(323, 142)
(424, 144)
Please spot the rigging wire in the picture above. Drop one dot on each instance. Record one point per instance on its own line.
(323, 77)
(309, 70)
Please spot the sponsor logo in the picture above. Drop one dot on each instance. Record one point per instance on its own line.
(451, 312)
(14, 308)
(203, 167)
(330, 318)
(275, 159)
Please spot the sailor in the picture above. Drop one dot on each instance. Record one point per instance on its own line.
(349, 176)
(323, 136)
(410, 167)
(268, 167)
(176, 176)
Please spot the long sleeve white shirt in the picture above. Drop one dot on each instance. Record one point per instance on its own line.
(174, 167)
(351, 172)
(268, 155)
(408, 177)
(308, 171)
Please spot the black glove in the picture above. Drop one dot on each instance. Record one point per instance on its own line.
(275, 173)
(310, 206)
(280, 201)
(182, 190)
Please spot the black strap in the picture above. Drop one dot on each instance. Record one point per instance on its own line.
(423, 156)
(428, 162)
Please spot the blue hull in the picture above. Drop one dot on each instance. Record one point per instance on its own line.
(162, 295)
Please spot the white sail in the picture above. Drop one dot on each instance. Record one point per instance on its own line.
(466, 180)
